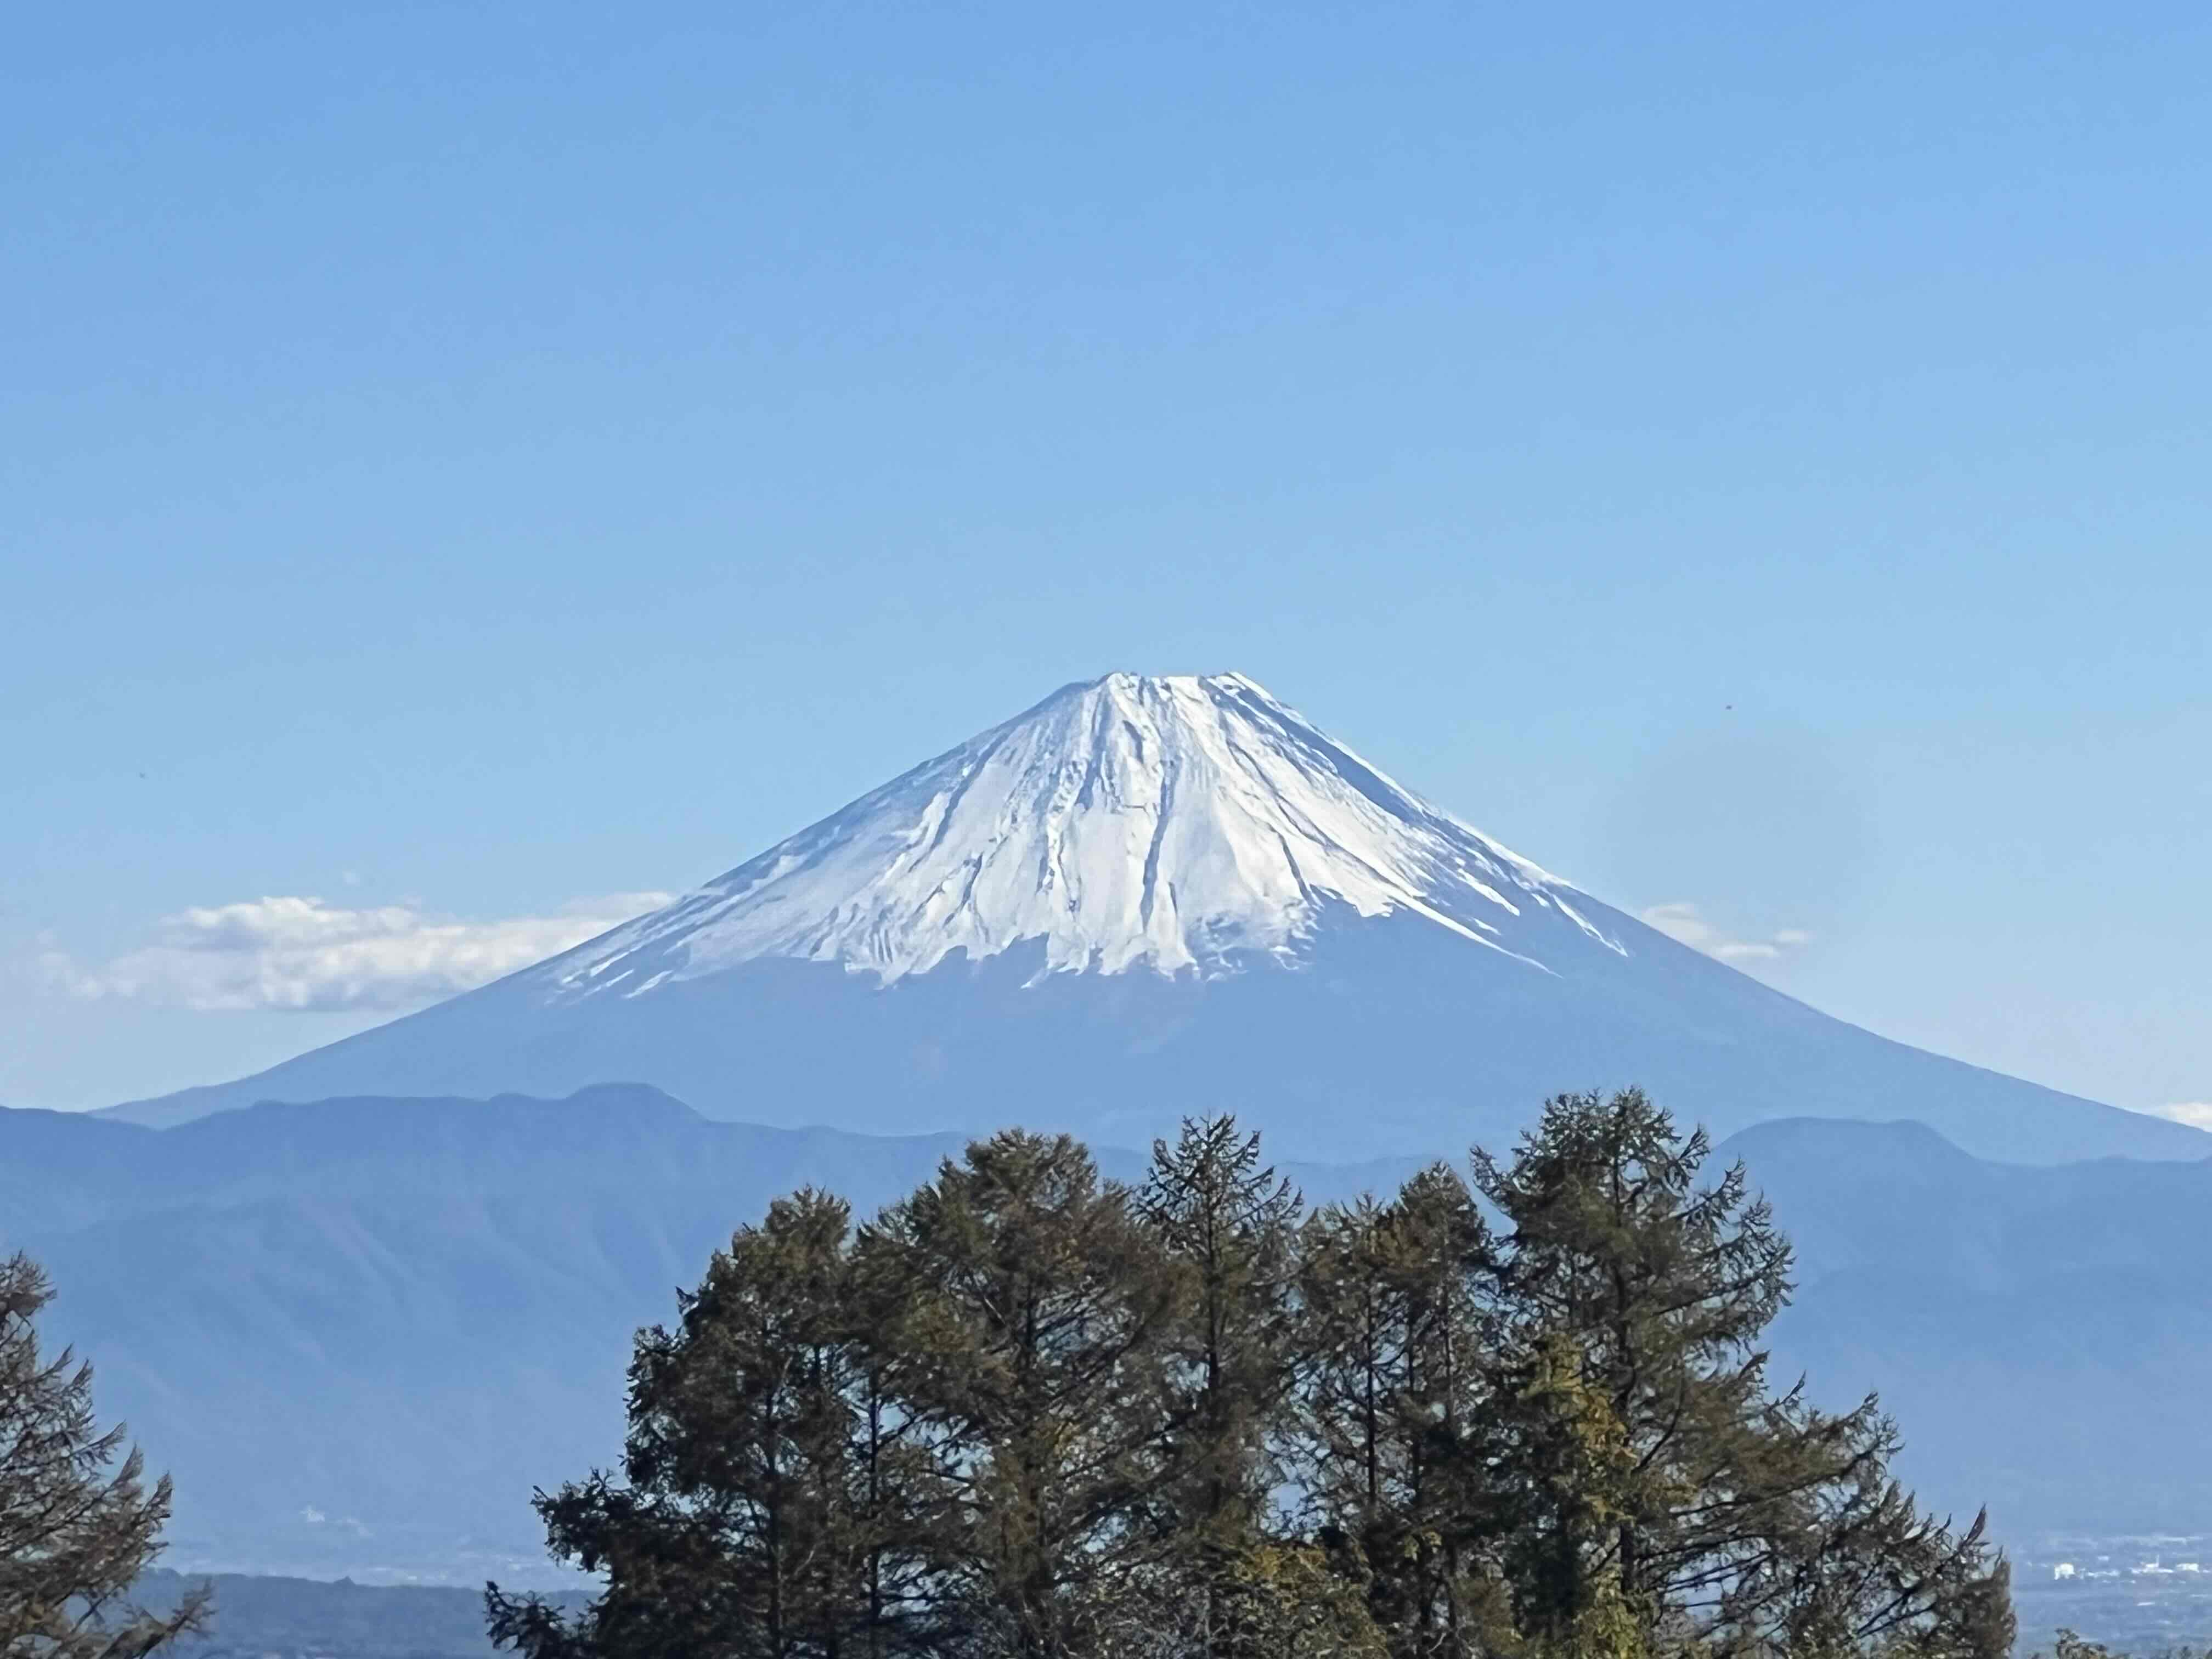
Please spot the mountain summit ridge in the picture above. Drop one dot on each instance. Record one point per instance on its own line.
(1172, 823)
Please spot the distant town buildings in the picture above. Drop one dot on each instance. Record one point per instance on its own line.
(2150, 1569)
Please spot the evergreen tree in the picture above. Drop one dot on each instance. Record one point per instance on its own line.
(1231, 1223)
(1669, 1501)
(1031, 1347)
(76, 1529)
(1028, 1412)
(1266, 1600)
(770, 1501)
(1349, 1339)
(1440, 1266)
(1395, 1418)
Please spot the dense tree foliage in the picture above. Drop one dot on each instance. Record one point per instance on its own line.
(1520, 1411)
(78, 1528)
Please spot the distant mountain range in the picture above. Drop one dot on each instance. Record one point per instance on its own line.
(360, 1331)
(278, 1618)
(1145, 898)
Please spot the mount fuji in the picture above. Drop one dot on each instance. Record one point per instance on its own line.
(1149, 897)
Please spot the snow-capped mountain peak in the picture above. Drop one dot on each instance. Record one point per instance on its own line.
(1174, 823)
(1174, 897)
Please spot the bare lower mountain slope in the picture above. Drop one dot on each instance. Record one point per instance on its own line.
(1146, 898)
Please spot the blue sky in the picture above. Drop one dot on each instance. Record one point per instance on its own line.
(464, 466)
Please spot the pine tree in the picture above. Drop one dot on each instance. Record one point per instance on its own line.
(768, 1492)
(1031, 1355)
(1231, 1223)
(1027, 1413)
(1266, 1600)
(1670, 1501)
(1396, 1420)
(898, 1494)
(76, 1530)
(1440, 1266)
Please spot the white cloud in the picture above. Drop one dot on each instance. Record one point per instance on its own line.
(1681, 920)
(305, 954)
(2197, 1114)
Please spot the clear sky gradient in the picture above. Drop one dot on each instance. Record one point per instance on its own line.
(463, 463)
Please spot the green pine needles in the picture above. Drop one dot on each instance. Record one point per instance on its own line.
(79, 1525)
(1519, 1413)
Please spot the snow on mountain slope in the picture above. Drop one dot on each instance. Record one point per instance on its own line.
(1145, 898)
(1168, 823)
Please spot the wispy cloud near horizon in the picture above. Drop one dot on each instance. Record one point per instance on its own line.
(304, 954)
(1682, 921)
(2197, 1114)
